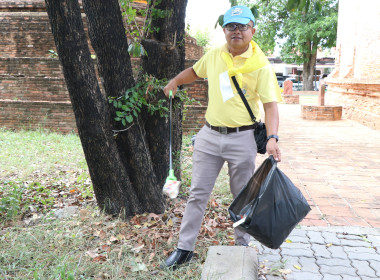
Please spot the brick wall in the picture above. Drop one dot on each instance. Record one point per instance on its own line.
(322, 113)
(355, 81)
(33, 92)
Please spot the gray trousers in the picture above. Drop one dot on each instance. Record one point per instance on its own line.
(211, 150)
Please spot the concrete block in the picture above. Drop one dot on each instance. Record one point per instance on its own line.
(230, 263)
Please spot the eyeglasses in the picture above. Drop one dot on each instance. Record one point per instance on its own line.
(241, 27)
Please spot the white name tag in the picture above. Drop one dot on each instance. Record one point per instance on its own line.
(225, 86)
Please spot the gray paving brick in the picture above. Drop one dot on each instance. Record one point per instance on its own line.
(316, 237)
(298, 232)
(349, 236)
(308, 264)
(375, 240)
(337, 270)
(375, 265)
(349, 277)
(332, 277)
(362, 256)
(330, 237)
(354, 243)
(259, 248)
(337, 252)
(368, 278)
(303, 275)
(333, 262)
(296, 245)
(320, 250)
(359, 250)
(267, 250)
(269, 258)
(299, 239)
(290, 262)
(297, 252)
(363, 268)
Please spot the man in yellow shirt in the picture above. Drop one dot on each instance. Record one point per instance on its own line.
(228, 133)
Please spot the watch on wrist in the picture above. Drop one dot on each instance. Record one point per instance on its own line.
(272, 136)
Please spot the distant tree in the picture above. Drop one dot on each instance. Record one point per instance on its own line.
(202, 37)
(303, 27)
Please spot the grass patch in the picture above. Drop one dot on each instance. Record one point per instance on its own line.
(43, 172)
(308, 99)
(34, 154)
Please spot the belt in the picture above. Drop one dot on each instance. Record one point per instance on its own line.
(227, 130)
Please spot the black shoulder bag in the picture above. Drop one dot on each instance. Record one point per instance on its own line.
(260, 129)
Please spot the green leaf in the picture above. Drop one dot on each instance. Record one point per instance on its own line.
(129, 118)
(119, 114)
(292, 4)
(317, 7)
(123, 122)
(301, 5)
(219, 21)
(255, 12)
(137, 50)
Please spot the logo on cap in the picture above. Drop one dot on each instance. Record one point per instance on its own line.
(237, 12)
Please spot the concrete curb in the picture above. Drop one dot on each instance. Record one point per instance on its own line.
(230, 263)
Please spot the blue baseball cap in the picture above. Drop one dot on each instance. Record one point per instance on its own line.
(238, 14)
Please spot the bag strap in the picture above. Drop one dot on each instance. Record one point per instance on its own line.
(244, 99)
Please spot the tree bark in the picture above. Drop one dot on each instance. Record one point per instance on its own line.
(309, 69)
(165, 59)
(127, 172)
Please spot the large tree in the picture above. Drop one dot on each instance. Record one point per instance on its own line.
(127, 170)
(300, 27)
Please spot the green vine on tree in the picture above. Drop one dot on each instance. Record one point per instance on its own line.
(144, 93)
(138, 23)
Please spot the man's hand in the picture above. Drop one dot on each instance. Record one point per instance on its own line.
(185, 77)
(273, 149)
(171, 86)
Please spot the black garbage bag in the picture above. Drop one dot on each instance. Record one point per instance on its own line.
(269, 206)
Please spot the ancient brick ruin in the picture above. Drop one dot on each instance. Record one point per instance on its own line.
(33, 90)
(355, 82)
(33, 93)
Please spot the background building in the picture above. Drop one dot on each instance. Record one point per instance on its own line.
(355, 82)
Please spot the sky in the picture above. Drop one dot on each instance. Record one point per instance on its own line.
(203, 14)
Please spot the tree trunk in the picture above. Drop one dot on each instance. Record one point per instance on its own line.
(309, 70)
(127, 172)
(165, 59)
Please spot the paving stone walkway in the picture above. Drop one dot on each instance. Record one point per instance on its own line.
(336, 165)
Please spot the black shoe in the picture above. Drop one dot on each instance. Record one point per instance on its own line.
(177, 258)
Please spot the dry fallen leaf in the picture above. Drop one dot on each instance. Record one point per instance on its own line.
(138, 248)
(169, 223)
(102, 234)
(113, 239)
(99, 259)
(92, 254)
(285, 271)
(297, 267)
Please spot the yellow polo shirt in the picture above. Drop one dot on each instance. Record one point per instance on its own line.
(257, 85)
